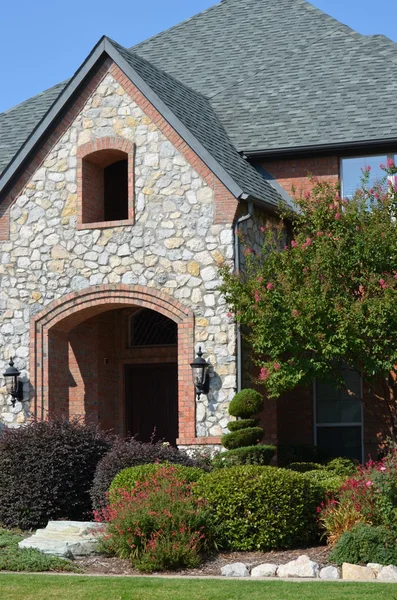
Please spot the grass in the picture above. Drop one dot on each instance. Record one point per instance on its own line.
(27, 559)
(47, 587)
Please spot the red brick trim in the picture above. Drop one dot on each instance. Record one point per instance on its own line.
(116, 146)
(225, 203)
(70, 310)
(45, 147)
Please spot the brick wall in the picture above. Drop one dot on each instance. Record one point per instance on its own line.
(292, 173)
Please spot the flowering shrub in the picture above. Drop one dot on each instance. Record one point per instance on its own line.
(369, 497)
(158, 525)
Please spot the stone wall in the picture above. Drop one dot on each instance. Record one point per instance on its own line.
(173, 246)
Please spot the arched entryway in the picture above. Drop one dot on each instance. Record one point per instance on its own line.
(119, 356)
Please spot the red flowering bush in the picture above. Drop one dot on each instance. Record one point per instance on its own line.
(369, 497)
(158, 525)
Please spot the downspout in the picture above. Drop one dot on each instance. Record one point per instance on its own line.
(241, 220)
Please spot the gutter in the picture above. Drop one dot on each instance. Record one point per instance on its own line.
(241, 220)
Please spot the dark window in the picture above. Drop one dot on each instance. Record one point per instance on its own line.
(116, 191)
(150, 328)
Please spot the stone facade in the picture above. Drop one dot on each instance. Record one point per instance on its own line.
(174, 245)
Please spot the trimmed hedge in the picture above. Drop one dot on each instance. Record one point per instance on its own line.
(260, 508)
(298, 453)
(345, 467)
(364, 544)
(130, 453)
(127, 478)
(46, 471)
(304, 467)
(249, 455)
(242, 437)
(242, 424)
(325, 479)
(246, 403)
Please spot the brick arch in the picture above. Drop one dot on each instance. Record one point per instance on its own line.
(64, 314)
(92, 158)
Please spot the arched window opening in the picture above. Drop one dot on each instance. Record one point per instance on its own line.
(150, 328)
(116, 191)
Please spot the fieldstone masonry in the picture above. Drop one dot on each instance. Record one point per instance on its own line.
(173, 246)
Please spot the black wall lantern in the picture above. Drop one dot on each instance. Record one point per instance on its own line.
(201, 378)
(13, 384)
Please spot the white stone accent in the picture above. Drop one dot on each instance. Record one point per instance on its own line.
(235, 570)
(68, 539)
(388, 573)
(301, 567)
(265, 570)
(329, 573)
(357, 573)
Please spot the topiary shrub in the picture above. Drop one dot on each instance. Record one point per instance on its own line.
(242, 424)
(303, 467)
(245, 404)
(127, 478)
(346, 467)
(328, 482)
(249, 455)
(130, 453)
(364, 544)
(260, 508)
(46, 471)
(242, 437)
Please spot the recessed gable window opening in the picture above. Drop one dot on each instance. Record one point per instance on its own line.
(116, 191)
(351, 170)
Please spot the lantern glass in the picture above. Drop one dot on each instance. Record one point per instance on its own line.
(199, 375)
(11, 384)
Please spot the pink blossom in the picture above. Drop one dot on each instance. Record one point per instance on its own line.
(304, 270)
(286, 248)
(319, 233)
(308, 241)
(294, 244)
(260, 279)
(390, 163)
(229, 315)
(270, 286)
(382, 469)
(338, 216)
(383, 234)
(248, 251)
(382, 284)
(357, 228)
(262, 229)
(295, 313)
(264, 374)
(307, 195)
(369, 483)
(382, 166)
(276, 366)
(257, 297)
(395, 276)
(368, 168)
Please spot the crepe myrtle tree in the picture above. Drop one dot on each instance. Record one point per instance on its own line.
(328, 298)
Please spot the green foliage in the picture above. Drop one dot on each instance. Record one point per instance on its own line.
(158, 524)
(303, 467)
(246, 403)
(297, 453)
(329, 297)
(260, 508)
(242, 424)
(248, 455)
(47, 468)
(242, 437)
(342, 466)
(328, 482)
(364, 544)
(128, 478)
(27, 559)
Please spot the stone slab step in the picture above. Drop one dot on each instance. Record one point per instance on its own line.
(67, 539)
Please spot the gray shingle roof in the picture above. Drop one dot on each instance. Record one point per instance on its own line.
(277, 74)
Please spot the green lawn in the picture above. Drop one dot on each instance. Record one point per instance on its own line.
(49, 587)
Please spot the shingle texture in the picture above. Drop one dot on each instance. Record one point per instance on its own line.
(266, 74)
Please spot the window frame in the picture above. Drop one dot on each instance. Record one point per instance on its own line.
(316, 425)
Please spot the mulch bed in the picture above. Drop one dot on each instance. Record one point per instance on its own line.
(100, 565)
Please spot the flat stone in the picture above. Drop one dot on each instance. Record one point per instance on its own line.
(376, 567)
(235, 570)
(388, 573)
(265, 570)
(67, 539)
(329, 573)
(356, 572)
(301, 567)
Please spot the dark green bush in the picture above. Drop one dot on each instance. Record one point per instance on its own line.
(245, 404)
(287, 454)
(127, 478)
(303, 467)
(249, 455)
(242, 424)
(260, 508)
(130, 453)
(325, 479)
(364, 544)
(342, 466)
(242, 437)
(46, 471)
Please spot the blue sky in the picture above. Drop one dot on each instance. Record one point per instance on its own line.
(43, 42)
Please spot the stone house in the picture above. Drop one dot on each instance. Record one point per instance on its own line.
(123, 189)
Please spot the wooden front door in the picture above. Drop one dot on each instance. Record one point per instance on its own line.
(151, 401)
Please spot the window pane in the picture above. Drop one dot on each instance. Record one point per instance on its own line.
(150, 328)
(340, 441)
(352, 174)
(334, 405)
